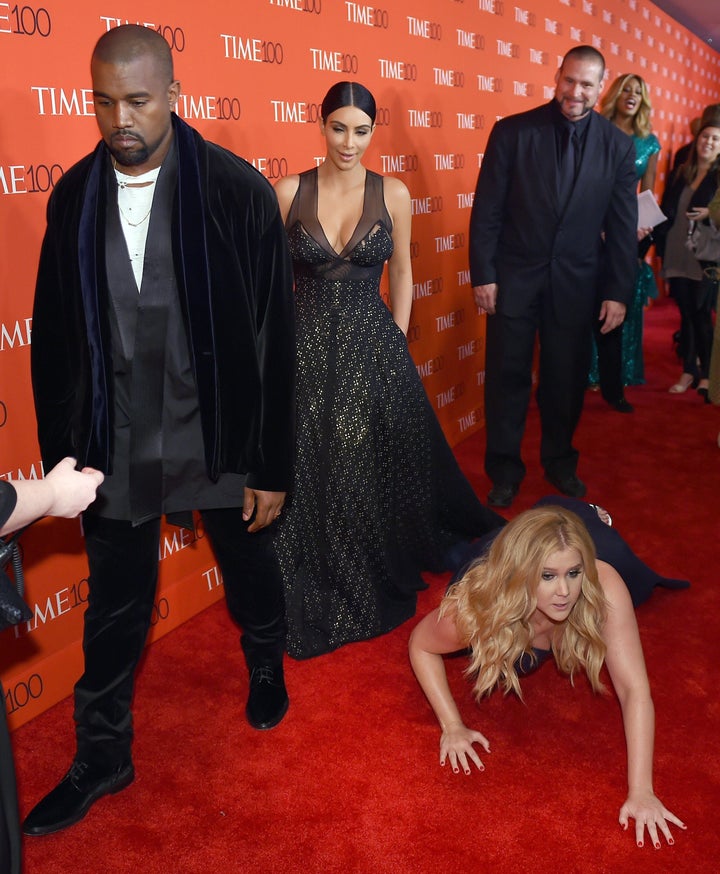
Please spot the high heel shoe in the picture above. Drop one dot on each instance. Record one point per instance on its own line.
(686, 381)
(703, 391)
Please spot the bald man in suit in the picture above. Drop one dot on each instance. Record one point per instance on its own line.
(553, 245)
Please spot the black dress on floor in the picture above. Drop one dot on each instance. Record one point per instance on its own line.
(378, 496)
(610, 547)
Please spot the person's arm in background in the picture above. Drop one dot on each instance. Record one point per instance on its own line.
(64, 492)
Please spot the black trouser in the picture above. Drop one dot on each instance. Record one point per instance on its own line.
(609, 353)
(564, 363)
(123, 562)
(696, 328)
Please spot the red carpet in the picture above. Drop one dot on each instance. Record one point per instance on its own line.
(349, 781)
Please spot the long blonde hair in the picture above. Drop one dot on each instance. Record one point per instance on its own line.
(493, 603)
(641, 119)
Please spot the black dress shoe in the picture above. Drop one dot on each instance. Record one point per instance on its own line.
(502, 494)
(75, 794)
(268, 699)
(622, 406)
(568, 484)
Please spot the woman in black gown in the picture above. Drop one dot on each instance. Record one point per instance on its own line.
(64, 492)
(378, 496)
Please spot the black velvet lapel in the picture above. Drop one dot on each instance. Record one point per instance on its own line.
(193, 272)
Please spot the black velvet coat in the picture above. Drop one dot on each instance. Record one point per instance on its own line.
(235, 280)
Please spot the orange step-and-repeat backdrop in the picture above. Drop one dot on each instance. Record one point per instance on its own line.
(253, 76)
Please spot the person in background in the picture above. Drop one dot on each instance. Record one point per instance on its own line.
(618, 355)
(711, 111)
(539, 592)
(714, 375)
(163, 355)
(686, 199)
(378, 496)
(553, 245)
(63, 492)
(683, 152)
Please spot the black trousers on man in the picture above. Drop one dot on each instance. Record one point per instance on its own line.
(123, 562)
(609, 353)
(563, 367)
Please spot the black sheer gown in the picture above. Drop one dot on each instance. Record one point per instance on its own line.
(378, 496)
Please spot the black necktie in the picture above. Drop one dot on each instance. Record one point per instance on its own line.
(568, 160)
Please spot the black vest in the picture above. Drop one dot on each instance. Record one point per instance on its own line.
(158, 460)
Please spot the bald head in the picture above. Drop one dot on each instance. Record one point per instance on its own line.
(134, 96)
(129, 42)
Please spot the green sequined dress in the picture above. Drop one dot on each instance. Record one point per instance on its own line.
(633, 369)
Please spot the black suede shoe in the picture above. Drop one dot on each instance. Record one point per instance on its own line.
(75, 794)
(502, 494)
(268, 699)
(568, 484)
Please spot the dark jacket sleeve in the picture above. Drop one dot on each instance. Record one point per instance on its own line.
(275, 321)
(8, 499)
(486, 218)
(55, 351)
(702, 196)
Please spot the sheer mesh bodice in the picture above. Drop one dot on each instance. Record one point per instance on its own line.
(378, 495)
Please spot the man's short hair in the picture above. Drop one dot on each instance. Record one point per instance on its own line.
(585, 53)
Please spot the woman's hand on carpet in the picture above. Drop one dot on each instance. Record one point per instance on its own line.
(649, 812)
(456, 744)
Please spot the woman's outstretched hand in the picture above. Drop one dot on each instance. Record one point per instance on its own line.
(648, 812)
(456, 744)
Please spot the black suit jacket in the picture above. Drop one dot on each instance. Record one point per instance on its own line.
(521, 239)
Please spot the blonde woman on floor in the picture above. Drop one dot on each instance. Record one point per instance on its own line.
(539, 591)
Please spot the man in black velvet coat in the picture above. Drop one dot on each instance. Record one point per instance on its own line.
(163, 355)
(553, 243)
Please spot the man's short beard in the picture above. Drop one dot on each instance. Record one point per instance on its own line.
(127, 158)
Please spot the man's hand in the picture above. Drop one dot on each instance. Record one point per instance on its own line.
(612, 314)
(485, 297)
(267, 507)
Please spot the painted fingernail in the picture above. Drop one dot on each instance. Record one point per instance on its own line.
(640, 843)
(657, 845)
(456, 770)
(468, 771)
(671, 841)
